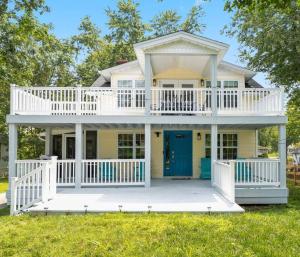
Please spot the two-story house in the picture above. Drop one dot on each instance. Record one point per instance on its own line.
(174, 130)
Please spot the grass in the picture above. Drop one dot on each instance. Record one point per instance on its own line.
(3, 185)
(261, 231)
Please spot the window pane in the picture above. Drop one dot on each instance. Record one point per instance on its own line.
(140, 153)
(140, 83)
(231, 84)
(140, 140)
(125, 140)
(125, 153)
(125, 83)
(208, 84)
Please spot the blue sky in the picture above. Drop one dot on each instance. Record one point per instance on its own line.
(65, 15)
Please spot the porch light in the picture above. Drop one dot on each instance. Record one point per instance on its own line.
(157, 133)
(202, 82)
(154, 82)
(199, 136)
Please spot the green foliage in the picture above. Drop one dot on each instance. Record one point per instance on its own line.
(293, 113)
(3, 185)
(261, 231)
(169, 21)
(268, 137)
(269, 34)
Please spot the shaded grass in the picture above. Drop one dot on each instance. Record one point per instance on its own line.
(261, 231)
(3, 185)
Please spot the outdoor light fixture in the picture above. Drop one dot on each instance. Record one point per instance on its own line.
(198, 136)
(157, 133)
(202, 82)
(154, 82)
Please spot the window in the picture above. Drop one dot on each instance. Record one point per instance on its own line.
(231, 84)
(227, 146)
(131, 146)
(208, 84)
(124, 83)
(140, 83)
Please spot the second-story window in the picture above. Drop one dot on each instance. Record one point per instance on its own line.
(208, 84)
(124, 83)
(231, 84)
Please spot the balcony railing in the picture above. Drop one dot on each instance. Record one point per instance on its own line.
(101, 101)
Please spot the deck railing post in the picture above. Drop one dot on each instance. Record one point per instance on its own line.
(147, 155)
(13, 200)
(45, 182)
(12, 98)
(282, 155)
(78, 154)
(53, 173)
(148, 83)
(214, 148)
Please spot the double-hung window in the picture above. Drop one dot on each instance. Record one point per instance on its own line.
(131, 146)
(227, 146)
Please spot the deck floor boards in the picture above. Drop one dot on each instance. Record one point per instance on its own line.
(163, 196)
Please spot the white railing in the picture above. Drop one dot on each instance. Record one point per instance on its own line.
(108, 101)
(65, 173)
(223, 179)
(181, 100)
(36, 185)
(256, 101)
(113, 172)
(257, 172)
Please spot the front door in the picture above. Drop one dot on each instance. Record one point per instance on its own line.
(70, 147)
(178, 153)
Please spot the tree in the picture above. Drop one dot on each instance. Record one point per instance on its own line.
(30, 55)
(169, 21)
(269, 34)
(126, 28)
(293, 113)
(165, 23)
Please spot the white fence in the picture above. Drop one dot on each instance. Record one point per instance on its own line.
(113, 172)
(38, 184)
(223, 179)
(258, 101)
(107, 101)
(65, 173)
(257, 172)
(181, 100)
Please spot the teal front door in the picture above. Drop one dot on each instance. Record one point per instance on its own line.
(178, 153)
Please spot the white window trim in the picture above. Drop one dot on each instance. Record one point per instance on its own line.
(134, 146)
(221, 143)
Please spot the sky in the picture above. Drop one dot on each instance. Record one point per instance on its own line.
(65, 16)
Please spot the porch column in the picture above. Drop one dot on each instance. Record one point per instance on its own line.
(213, 78)
(213, 148)
(78, 153)
(282, 155)
(147, 155)
(48, 142)
(148, 83)
(12, 149)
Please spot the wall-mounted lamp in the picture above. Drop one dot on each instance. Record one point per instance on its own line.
(157, 133)
(199, 136)
(154, 82)
(202, 82)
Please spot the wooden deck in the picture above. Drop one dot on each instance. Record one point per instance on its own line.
(163, 196)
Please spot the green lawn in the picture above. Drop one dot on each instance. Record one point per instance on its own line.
(3, 185)
(265, 231)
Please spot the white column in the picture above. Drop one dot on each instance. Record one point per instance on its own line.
(148, 83)
(213, 78)
(147, 155)
(282, 155)
(78, 153)
(48, 141)
(256, 143)
(213, 148)
(12, 149)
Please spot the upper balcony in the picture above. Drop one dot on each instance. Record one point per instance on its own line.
(163, 101)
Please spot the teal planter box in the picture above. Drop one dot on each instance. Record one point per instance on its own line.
(205, 172)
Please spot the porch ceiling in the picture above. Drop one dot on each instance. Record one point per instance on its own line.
(194, 66)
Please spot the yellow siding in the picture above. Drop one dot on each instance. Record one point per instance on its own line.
(108, 144)
(178, 74)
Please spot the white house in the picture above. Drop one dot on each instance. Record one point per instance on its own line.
(174, 130)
